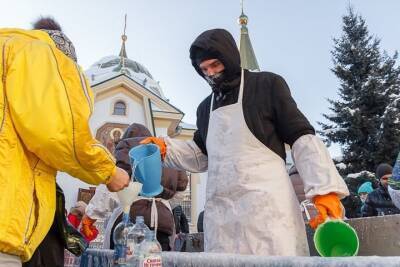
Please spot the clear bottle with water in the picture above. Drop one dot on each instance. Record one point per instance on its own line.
(135, 237)
(120, 237)
(150, 251)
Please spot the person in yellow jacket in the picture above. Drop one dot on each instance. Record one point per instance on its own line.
(45, 105)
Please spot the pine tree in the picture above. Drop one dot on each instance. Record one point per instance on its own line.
(367, 78)
(389, 131)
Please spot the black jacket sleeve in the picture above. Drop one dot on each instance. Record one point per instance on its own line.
(200, 135)
(290, 122)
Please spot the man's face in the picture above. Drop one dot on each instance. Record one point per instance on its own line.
(211, 67)
(384, 179)
(363, 196)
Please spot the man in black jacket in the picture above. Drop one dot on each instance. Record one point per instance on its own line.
(379, 202)
(242, 126)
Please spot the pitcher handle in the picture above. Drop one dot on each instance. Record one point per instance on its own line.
(134, 164)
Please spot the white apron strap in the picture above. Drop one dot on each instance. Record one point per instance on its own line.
(154, 211)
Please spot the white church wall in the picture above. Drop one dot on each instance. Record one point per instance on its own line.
(104, 109)
(161, 131)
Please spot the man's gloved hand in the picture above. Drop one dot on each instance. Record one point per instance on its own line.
(88, 230)
(159, 142)
(327, 205)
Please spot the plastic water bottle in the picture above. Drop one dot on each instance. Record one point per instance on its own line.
(150, 251)
(135, 237)
(120, 237)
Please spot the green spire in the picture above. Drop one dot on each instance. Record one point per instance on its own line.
(247, 57)
(122, 54)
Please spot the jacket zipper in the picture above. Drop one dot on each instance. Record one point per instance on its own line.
(26, 238)
(84, 87)
(3, 80)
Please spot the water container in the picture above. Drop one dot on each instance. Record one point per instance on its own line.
(120, 236)
(135, 237)
(150, 251)
(146, 168)
(335, 238)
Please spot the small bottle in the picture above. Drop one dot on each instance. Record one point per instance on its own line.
(120, 237)
(150, 251)
(135, 237)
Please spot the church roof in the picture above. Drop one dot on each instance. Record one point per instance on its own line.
(110, 66)
(113, 66)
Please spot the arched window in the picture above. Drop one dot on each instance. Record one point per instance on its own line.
(119, 108)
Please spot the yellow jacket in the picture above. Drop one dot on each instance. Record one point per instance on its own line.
(45, 104)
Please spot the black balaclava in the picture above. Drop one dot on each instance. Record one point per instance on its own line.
(219, 44)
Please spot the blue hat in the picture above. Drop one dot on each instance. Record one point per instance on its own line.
(365, 188)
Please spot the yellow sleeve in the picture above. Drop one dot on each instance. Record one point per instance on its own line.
(50, 104)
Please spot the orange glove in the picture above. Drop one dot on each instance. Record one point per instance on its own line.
(159, 142)
(88, 229)
(327, 205)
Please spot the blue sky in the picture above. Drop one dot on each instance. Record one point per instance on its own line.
(291, 38)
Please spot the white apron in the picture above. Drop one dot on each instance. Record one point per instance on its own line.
(251, 207)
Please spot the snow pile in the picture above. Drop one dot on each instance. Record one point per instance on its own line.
(109, 67)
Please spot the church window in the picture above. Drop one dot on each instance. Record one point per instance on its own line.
(119, 108)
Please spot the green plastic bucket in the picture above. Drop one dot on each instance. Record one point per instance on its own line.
(335, 238)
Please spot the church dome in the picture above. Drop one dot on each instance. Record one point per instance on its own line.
(110, 66)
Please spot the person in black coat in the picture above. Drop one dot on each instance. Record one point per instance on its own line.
(251, 115)
(379, 202)
(181, 222)
(200, 220)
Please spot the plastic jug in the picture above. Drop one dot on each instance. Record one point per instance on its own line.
(146, 168)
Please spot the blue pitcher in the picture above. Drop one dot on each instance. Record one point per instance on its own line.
(146, 168)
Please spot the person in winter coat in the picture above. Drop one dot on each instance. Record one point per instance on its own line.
(364, 190)
(76, 214)
(378, 201)
(44, 128)
(297, 183)
(200, 219)
(181, 227)
(171, 180)
(394, 183)
(251, 207)
(181, 221)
